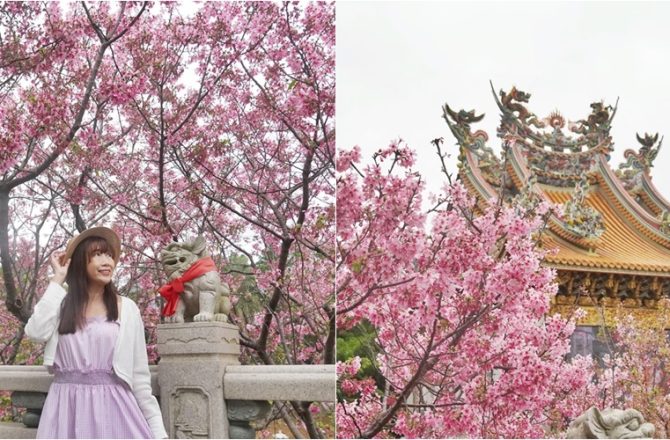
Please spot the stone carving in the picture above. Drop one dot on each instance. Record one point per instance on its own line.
(204, 298)
(191, 413)
(241, 414)
(610, 423)
(33, 402)
(580, 218)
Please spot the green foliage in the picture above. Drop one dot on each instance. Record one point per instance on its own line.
(250, 299)
(357, 265)
(75, 146)
(8, 412)
(5, 408)
(360, 341)
(325, 420)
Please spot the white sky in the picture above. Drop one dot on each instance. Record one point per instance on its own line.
(397, 64)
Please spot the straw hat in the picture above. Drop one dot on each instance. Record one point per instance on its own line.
(100, 231)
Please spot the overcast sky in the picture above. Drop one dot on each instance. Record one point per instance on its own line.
(398, 63)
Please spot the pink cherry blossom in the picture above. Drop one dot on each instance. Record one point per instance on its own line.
(459, 304)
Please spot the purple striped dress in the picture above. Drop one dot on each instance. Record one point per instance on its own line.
(86, 399)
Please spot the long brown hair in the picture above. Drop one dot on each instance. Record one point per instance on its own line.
(72, 313)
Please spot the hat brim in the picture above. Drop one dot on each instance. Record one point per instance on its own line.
(100, 231)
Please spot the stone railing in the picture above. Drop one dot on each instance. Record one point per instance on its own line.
(198, 377)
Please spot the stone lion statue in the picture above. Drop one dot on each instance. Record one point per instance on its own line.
(205, 297)
(610, 423)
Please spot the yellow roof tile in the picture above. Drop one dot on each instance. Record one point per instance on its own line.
(621, 247)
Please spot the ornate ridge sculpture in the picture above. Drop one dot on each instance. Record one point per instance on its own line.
(580, 218)
(527, 200)
(610, 423)
(638, 164)
(556, 157)
(642, 160)
(475, 142)
(516, 119)
(611, 249)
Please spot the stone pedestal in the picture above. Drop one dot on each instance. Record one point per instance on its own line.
(241, 413)
(33, 402)
(190, 376)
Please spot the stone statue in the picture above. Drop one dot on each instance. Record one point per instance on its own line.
(610, 423)
(194, 291)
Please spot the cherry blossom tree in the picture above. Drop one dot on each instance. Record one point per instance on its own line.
(459, 303)
(50, 62)
(165, 123)
(636, 371)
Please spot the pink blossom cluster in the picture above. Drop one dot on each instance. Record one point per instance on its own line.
(636, 372)
(459, 305)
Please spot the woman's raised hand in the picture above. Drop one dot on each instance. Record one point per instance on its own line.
(59, 268)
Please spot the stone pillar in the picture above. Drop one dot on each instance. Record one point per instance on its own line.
(194, 356)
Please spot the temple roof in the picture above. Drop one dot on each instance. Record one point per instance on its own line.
(614, 220)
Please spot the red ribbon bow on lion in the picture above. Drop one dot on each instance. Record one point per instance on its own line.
(174, 288)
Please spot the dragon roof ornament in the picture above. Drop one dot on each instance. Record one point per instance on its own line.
(521, 125)
(459, 124)
(639, 163)
(556, 156)
(557, 151)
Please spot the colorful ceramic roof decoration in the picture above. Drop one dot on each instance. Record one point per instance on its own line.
(613, 239)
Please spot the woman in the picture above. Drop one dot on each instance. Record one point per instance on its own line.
(95, 348)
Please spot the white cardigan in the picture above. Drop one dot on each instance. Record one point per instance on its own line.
(130, 363)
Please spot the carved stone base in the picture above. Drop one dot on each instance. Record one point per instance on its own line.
(190, 375)
(242, 412)
(33, 402)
